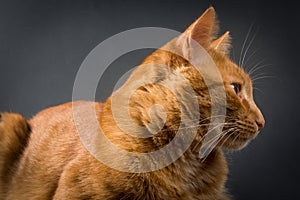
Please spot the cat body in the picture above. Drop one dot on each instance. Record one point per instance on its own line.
(64, 169)
(53, 163)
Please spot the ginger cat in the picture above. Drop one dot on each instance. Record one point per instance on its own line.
(44, 158)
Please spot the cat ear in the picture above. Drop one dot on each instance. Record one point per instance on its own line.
(202, 32)
(204, 29)
(222, 44)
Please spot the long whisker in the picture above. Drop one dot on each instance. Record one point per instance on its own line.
(200, 125)
(232, 142)
(219, 139)
(247, 49)
(205, 135)
(207, 118)
(249, 57)
(228, 136)
(244, 43)
(262, 77)
(258, 75)
(258, 68)
(216, 137)
(225, 132)
(255, 88)
(258, 64)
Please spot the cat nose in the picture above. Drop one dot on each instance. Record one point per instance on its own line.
(258, 116)
(260, 123)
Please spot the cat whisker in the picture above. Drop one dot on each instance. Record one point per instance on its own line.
(218, 125)
(219, 139)
(247, 49)
(232, 142)
(260, 74)
(255, 88)
(258, 66)
(249, 57)
(199, 125)
(196, 146)
(223, 133)
(257, 69)
(207, 118)
(228, 136)
(216, 116)
(244, 44)
(262, 77)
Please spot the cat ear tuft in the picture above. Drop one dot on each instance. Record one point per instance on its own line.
(222, 44)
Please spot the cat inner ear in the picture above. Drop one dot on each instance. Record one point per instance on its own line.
(222, 44)
(202, 31)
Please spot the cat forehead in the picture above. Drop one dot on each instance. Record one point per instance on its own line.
(235, 74)
(231, 71)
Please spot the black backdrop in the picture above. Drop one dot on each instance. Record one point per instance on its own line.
(42, 44)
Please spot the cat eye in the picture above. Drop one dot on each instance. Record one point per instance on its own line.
(236, 87)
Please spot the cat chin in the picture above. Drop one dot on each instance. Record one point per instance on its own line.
(238, 144)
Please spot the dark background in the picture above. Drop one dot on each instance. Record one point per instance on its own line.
(42, 44)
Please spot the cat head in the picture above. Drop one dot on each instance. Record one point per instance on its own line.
(243, 118)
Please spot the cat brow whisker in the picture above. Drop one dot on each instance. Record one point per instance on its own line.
(258, 67)
(252, 75)
(262, 77)
(256, 70)
(249, 57)
(244, 44)
(256, 88)
(260, 74)
(247, 49)
(258, 64)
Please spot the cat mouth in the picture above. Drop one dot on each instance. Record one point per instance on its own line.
(238, 139)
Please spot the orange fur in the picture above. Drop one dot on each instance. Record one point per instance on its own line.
(55, 164)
